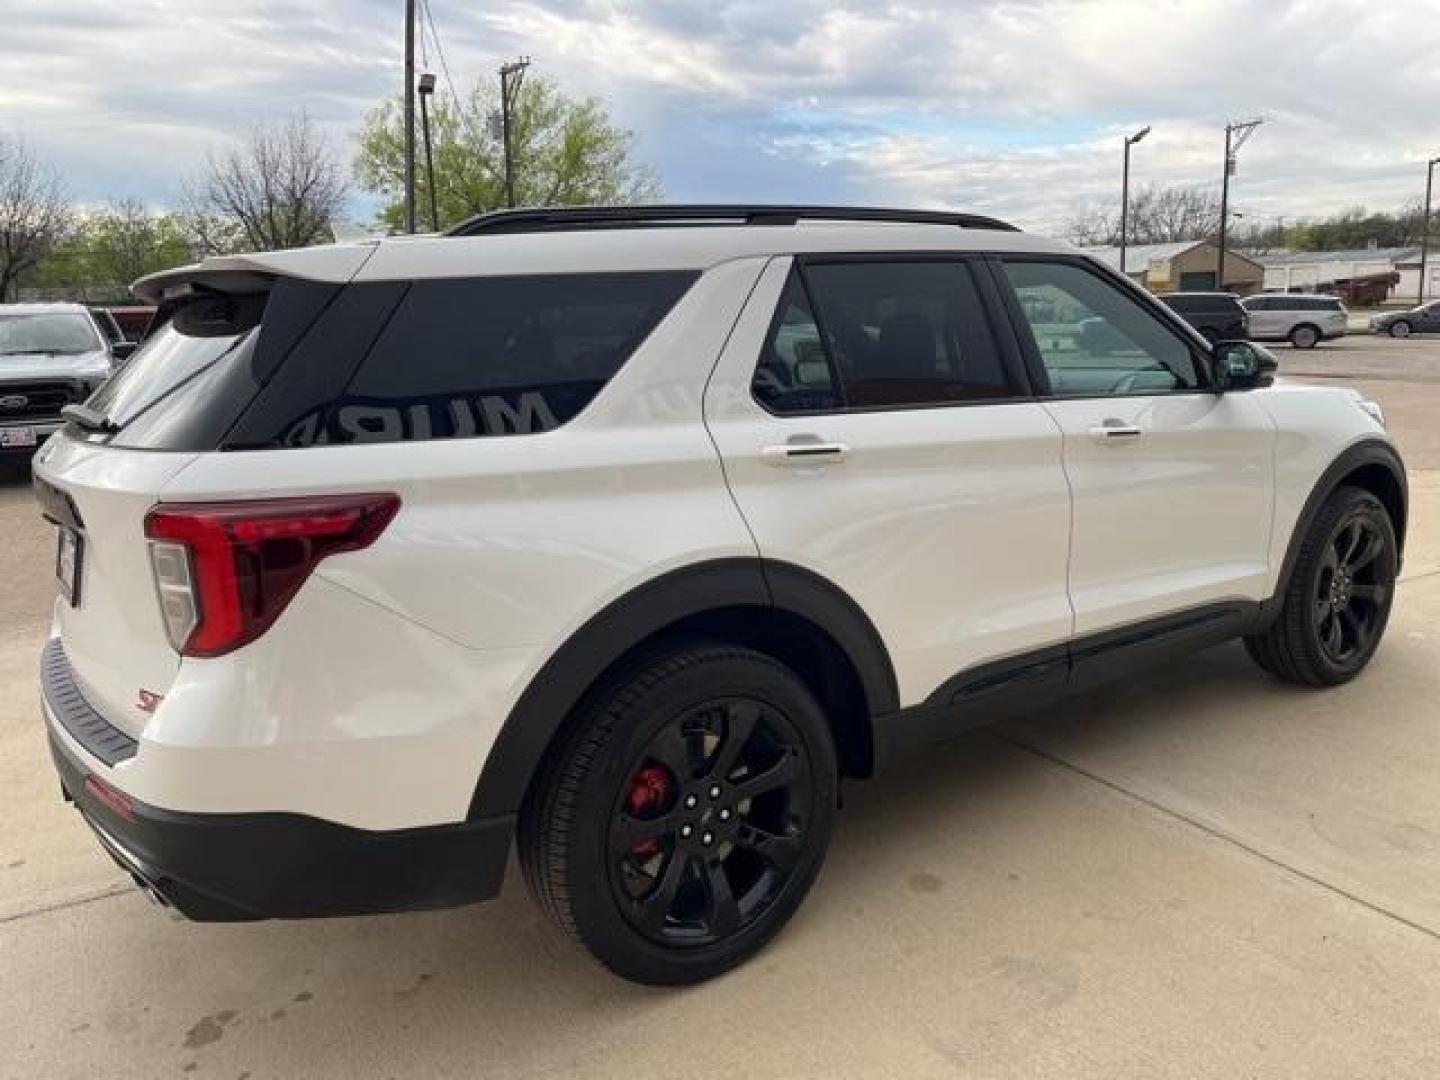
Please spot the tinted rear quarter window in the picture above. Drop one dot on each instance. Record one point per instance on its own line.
(491, 356)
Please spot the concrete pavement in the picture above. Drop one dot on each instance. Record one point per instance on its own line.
(1199, 874)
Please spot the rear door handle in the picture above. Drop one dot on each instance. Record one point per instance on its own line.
(1115, 430)
(804, 453)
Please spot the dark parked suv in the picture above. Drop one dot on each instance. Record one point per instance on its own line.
(1218, 316)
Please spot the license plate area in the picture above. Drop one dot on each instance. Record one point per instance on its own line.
(69, 561)
(17, 438)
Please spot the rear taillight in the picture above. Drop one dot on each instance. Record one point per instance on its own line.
(225, 571)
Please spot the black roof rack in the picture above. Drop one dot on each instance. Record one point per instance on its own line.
(574, 218)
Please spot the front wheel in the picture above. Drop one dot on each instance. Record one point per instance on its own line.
(1304, 337)
(1337, 602)
(683, 820)
(1400, 329)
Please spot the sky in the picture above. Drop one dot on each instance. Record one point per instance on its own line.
(1016, 108)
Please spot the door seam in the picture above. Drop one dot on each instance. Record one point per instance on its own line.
(710, 435)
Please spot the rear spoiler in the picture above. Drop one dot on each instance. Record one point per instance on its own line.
(252, 273)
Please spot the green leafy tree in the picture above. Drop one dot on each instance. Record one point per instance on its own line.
(104, 252)
(126, 242)
(566, 151)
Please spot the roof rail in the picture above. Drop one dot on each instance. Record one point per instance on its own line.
(574, 218)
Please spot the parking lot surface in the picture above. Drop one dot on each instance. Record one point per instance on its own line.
(1201, 873)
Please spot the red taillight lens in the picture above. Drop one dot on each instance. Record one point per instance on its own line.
(225, 571)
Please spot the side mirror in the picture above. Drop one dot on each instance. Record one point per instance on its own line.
(122, 350)
(1243, 365)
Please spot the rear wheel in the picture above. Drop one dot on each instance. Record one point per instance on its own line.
(1400, 329)
(1305, 337)
(684, 819)
(1337, 602)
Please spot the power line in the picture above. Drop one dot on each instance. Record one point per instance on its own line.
(444, 66)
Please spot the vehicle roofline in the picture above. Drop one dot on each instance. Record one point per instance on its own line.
(632, 250)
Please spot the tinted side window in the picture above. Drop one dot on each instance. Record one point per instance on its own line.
(879, 335)
(907, 333)
(1186, 305)
(794, 374)
(492, 356)
(1094, 339)
(1261, 303)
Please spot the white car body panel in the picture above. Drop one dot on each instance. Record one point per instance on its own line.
(1141, 548)
(1314, 426)
(948, 526)
(115, 640)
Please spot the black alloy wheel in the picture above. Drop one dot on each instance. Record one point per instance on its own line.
(1352, 590)
(711, 825)
(1334, 607)
(683, 818)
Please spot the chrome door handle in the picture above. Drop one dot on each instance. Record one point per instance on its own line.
(1114, 431)
(804, 453)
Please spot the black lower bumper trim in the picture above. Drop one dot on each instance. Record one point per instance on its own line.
(243, 867)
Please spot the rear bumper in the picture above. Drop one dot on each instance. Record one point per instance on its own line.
(242, 867)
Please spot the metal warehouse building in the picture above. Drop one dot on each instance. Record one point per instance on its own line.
(1185, 266)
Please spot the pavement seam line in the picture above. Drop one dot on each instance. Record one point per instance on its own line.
(1217, 834)
(61, 905)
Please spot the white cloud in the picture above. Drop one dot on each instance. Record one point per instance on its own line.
(1015, 107)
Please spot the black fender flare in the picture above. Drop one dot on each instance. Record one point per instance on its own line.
(570, 672)
(1369, 452)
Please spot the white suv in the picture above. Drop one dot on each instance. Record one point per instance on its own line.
(1304, 321)
(628, 533)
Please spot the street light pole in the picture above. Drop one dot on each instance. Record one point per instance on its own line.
(409, 116)
(427, 87)
(1130, 141)
(511, 76)
(1235, 136)
(1425, 222)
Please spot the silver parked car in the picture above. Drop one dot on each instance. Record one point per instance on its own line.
(1424, 319)
(51, 355)
(1304, 321)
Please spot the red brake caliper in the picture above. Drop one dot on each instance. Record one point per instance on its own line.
(649, 796)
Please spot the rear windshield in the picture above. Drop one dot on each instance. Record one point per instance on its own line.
(199, 335)
(53, 333)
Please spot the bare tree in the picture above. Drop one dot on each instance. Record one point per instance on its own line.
(34, 213)
(281, 189)
(1158, 215)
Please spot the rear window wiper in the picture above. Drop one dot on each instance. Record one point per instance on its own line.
(89, 419)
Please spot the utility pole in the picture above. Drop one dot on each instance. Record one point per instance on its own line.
(1130, 141)
(409, 116)
(1236, 135)
(1425, 222)
(511, 76)
(427, 88)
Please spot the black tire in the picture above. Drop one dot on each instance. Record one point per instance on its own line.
(1305, 336)
(601, 834)
(1401, 329)
(1337, 602)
